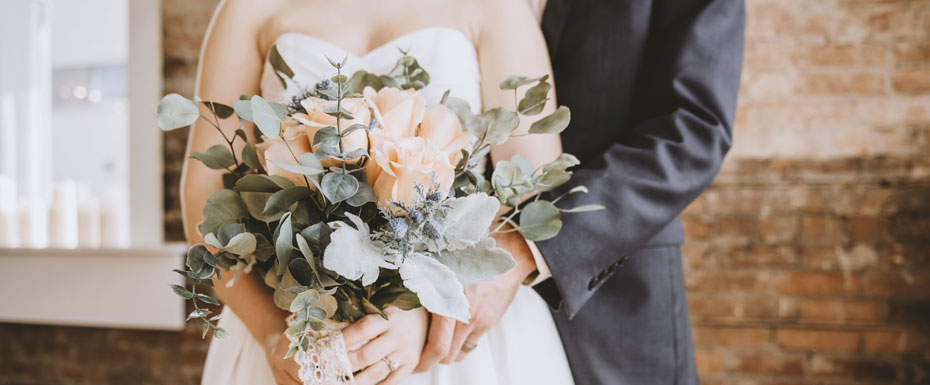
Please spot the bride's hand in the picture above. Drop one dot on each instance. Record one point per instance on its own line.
(398, 339)
(283, 369)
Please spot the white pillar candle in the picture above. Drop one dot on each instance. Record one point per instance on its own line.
(89, 223)
(114, 221)
(33, 223)
(9, 221)
(63, 216)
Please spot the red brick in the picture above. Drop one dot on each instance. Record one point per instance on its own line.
(843, 312)
(821, 228)
(778, 229)
(734, 337)
(716, 281)
(818, 340)
(817, 283)
(910, 53)
(857, 83)
(767, 364)
(755, 255)
(740, 307)
(916, 81)
(897, 341)
(866, 228)
(708, 362)
(897, 284)
(867, 370)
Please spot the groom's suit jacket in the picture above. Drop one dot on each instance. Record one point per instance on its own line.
(652, 87)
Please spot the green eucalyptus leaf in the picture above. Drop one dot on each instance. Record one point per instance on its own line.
(220, 333)
(221, 110)
(262, 183)
(555, 123)
(217, 157)
(338, 187)
(535, 99)
(304, 300)
(309, 165)
(280, 67)
(181, 291)
(513, 82)
(317, 235)
(265, 117)
(364, 195)
(284, 243)
(176, 111)
(223, 206)
(279, 109)
(282, 200)
(250, 157)
(497, 125)
(540, 220)
(207, 299)
(243, 108)
(326, 136)
(583, 208)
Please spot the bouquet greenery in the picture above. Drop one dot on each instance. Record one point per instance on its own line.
(357, 196)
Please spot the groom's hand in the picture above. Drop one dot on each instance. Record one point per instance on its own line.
(487, 300)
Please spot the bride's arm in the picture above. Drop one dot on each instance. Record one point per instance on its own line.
(509, 42)
(230, 65)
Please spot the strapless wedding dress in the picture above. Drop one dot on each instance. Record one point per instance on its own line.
(524, 348)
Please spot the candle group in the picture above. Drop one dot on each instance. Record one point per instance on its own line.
(73, 218)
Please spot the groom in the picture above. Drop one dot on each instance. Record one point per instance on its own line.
(652, 87)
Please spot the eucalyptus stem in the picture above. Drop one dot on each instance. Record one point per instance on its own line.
(232, 150)
(281, 135)
(342, 153)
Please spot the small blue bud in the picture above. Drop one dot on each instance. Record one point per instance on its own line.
(397, 227)
(434, 196)
(416, 216)
(323, 85)
(373, 124)
(432, 229)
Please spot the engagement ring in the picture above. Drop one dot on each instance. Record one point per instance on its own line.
(391, 364)
(467, 347)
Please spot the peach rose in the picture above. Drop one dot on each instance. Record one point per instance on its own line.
(404, 163)
(315, 119)
(274, 148)
(441, 127)
(399, 112)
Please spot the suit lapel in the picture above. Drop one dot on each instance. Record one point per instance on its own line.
(553, 22)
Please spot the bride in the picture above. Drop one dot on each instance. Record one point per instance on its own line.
(467, 46)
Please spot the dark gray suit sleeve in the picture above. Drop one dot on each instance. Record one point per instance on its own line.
(687, 97)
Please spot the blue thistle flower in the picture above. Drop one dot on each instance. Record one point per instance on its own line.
(434, 196)
(416, 216)
(323, 85)
(432, 229)
(397, 227)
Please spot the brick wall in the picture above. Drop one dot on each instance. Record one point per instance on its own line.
(807, 261)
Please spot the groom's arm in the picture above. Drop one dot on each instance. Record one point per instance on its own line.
(657, 167)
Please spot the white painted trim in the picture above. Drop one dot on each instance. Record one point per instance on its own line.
(116, 288)
(145, 140)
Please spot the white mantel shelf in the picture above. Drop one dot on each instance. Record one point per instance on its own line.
(112, 288)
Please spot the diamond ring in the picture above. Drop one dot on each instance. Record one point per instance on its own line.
(390, 363)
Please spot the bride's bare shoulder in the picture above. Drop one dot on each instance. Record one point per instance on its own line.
(490, 15)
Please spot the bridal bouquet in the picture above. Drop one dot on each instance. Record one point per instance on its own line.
(358, 196)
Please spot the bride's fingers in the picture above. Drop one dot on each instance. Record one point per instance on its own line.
(438, 342)
(366, 328)
(398, 375)
(471, 341)
(462, 331)
(373, 374)
(371, 352)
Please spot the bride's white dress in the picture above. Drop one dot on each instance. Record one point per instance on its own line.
(524, 348)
